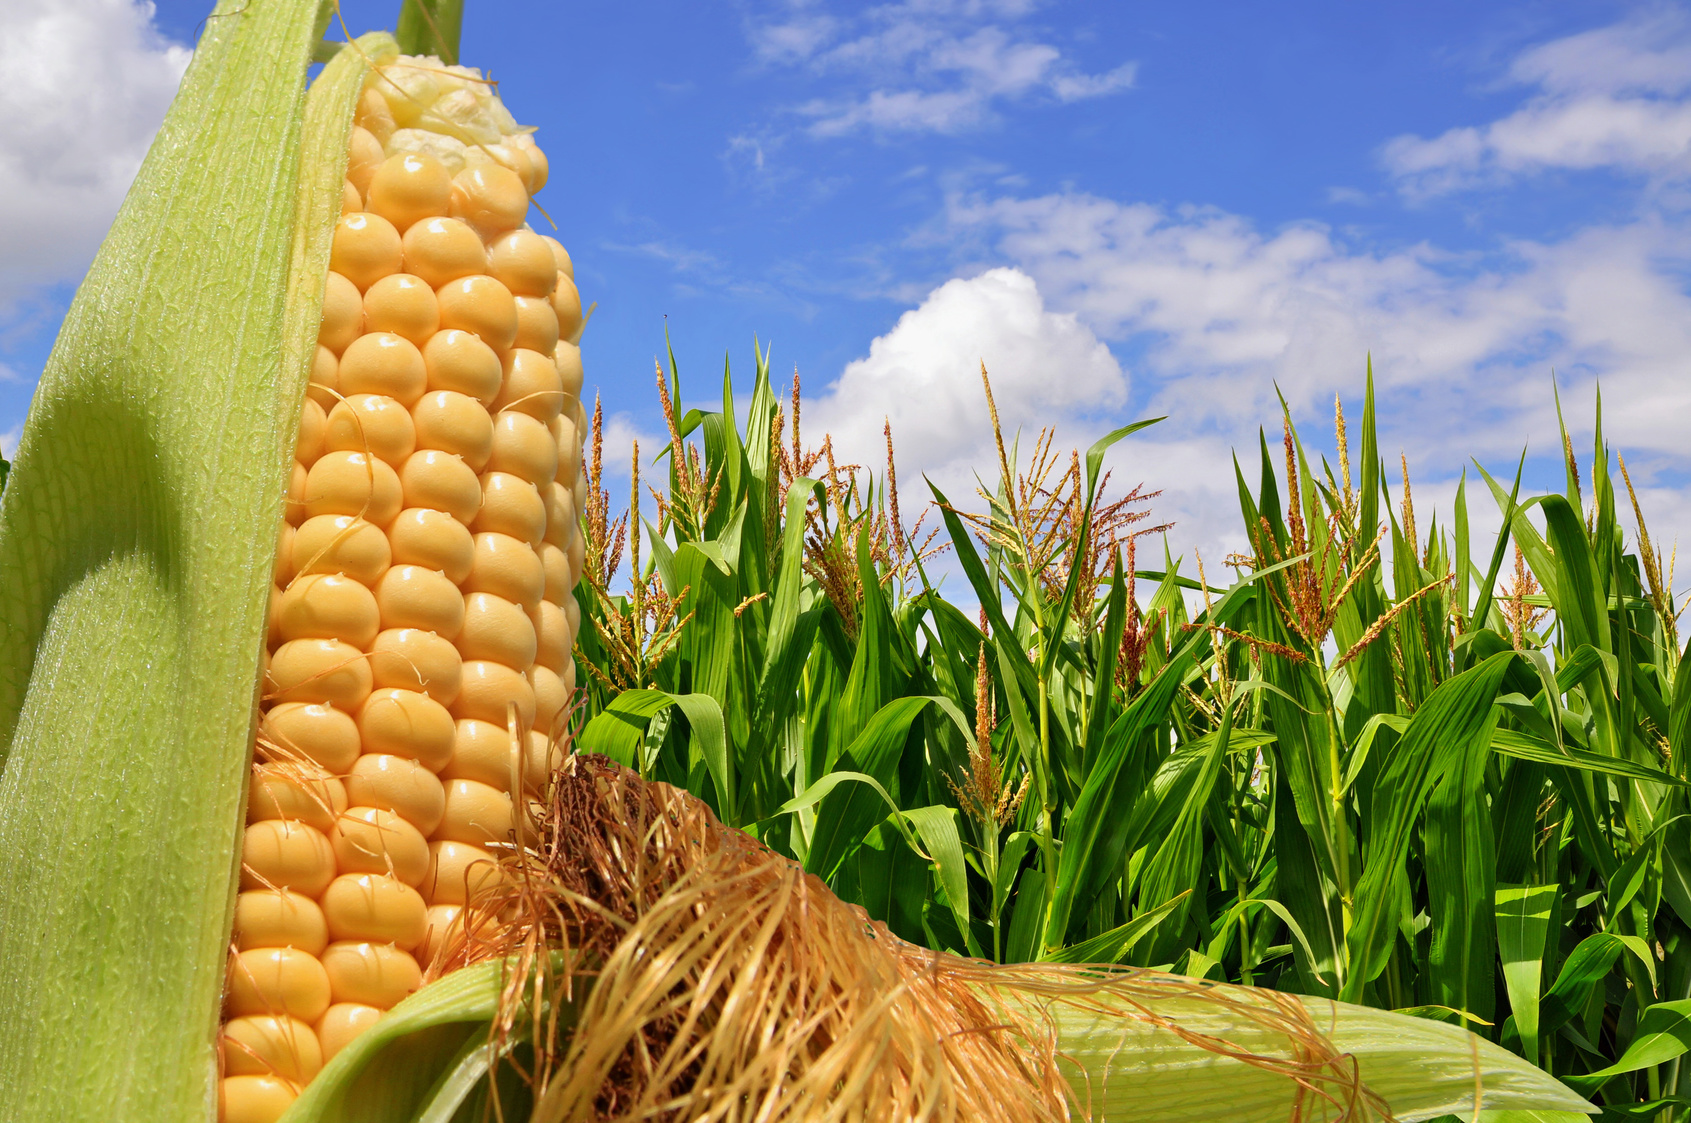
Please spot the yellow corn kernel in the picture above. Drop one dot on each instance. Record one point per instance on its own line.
(279, 918)
(433, 479)
(279, 980)
(459, 871)
(490, 198)
(458, 360)
(410, 596)
(409, 187)
(433, 540)
(497, 629)
(315, 732)
(384, 363)
(408, 723)
(366, 249)
(523, 263)
(285, 854)
(327, 606)
(511, 506)
(400, 785)
(374, 907)
(404, 304)
(341, 544)
(506, 567)
(532, 385)
(489, 689)
(371, 840)
(481, 305)
(378, 975)
(440, 250)
(417, 660)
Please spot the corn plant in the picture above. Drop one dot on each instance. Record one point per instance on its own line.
(1380, 764)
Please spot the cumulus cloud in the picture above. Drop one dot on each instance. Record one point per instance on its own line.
(1615, 97)
(924, 66)
(923, 376)
(86, 84)
(1213, 317)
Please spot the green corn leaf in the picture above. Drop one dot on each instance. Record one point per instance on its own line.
(1523, 923)
(137, 537)
(1664, 1032)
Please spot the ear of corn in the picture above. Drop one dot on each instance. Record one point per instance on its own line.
(136, 541)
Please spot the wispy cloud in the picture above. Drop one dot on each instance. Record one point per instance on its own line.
(941, 66)
(1616, 97)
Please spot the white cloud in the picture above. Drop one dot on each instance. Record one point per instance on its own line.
(923, 376)
(1211, 314)
(86, 84)
(925, 65)
(1616, 97)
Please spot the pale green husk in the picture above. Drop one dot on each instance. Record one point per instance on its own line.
(137, 537)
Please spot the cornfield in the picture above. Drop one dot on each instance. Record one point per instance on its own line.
(1387, 765)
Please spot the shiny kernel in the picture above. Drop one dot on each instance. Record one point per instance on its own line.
(560, 256)
(482, 752)
(443, 249)
(487, 690)
(372, 423)
(555, 564)
(538, 166)
(315, 732)
(523, 262)
(567, 361)
(490, 198)
(524, 447)
(460, 361)
(561, 524)
(263, 1045)
(324, 387)
(441, 481)
(309, 446)
(576, 549)
(460, 872)
(366, 249)
(343, 314)
(410, 596)
(409, 187)
(552, 635)
(399, 785)
(378, 975)
(572, 614)
(516, 160)
(352, 483)
(508, 568)
(407, 723)
(481, 305)
(567, 440)
(540, 760)
(433, 540)
(457, 423)
(328, 606)
(496, 629)
(318, 670)
(286, 854)
(351, 201)
(364, 156)
(444, 930)
(371, 840)
(294, 503)
(375, 907)
(384, 363)
(374, 116)
(416, 660)
(537, 324)
(531, 385)
(551, 698)
(476, 813)
(254, 1099)
(277, 981)
(341, 544)
(403, 304)
(279, 918)
(566, 302)
(342, 1023)
(286, 790)
(285, 567)
(512, 506)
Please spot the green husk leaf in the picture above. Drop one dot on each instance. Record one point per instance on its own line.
(1418, 1069)
(137, 538)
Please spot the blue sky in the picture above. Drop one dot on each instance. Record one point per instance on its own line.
(1124, 209)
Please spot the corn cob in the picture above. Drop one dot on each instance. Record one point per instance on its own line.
(422, 618)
